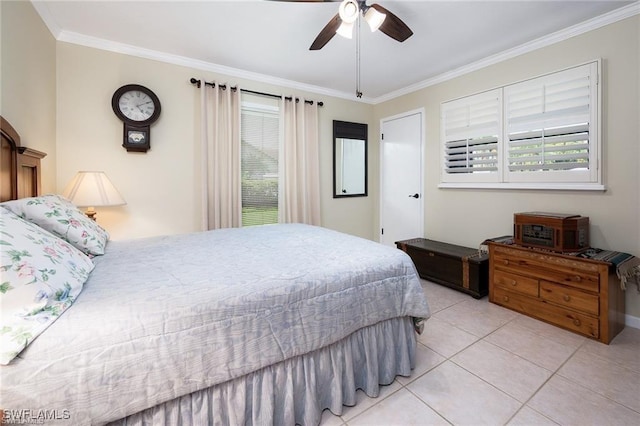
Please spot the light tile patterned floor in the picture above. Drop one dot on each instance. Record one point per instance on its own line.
(480, 364)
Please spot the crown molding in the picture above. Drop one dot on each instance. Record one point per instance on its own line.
(131, 50)
(553, 38)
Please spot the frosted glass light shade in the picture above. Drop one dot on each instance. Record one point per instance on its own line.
(345, 30)
(349, 11)
(91, 189)
(374, 18)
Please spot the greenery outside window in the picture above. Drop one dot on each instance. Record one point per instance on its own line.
(260, 151)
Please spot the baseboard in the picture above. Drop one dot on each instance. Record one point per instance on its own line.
(630, 321)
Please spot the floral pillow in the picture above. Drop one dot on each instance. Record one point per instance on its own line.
(40, 277)
(59, 216)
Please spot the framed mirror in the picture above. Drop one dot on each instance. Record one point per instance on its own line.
(349, 159)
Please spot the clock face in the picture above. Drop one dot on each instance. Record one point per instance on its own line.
(136, 105)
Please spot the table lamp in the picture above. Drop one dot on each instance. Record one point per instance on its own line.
(92, 189)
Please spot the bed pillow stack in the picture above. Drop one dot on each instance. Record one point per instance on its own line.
(59, 216)
(40, 277)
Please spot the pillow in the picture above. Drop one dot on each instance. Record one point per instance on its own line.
(40, 277)
(59, 216)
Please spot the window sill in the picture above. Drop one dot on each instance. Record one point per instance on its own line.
(534, 186)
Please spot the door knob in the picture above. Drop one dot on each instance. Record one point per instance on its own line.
(416, 195)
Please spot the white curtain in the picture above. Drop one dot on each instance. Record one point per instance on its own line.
(220, 154)
(299, 200)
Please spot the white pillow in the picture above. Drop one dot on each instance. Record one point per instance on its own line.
(59, 216)
(40, 277)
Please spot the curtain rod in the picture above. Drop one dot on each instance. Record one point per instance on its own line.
(271, 95)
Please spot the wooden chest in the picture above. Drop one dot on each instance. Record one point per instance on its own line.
(581, 295)
(461, 268)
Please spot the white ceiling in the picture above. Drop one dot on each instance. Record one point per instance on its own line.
(269, 40)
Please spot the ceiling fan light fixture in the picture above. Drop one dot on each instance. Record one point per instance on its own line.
(374, 18)
(345, 30)
(349, 11)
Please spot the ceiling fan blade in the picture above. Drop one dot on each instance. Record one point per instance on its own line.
(327, 33)
(393, 26)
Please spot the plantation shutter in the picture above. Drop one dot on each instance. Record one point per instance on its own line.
(259, 164)
(471, 129)
(550, 125)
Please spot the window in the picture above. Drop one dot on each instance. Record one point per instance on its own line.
(260, 129)
(548, 138)
(471, 134)
(550, 127)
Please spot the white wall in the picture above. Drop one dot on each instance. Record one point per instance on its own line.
(28, 82)
(161, 186)
(467, 217)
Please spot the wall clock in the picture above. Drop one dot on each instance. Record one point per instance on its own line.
(138, 108)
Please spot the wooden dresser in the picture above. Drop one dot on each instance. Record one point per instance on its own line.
(581, 295)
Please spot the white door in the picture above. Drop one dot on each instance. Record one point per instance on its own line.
(401, 174)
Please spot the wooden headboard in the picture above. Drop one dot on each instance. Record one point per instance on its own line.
(20, 173)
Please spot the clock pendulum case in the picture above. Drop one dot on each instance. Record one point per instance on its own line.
(138, 108)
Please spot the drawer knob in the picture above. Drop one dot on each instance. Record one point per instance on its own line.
(566, 297)
(506, 261)
(431, 254)
(578, 278)
(576, 322)
(514, 283)
(506, 298)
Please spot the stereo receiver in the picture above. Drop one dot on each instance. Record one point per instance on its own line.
(552, 231)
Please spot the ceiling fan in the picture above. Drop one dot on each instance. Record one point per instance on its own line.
(342, 23)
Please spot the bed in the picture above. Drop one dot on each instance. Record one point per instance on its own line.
(258, 325)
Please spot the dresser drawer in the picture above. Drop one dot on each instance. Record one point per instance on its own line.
(548, 267)
(517, 283)
(577, 279)
(570, 297)
(562, 317)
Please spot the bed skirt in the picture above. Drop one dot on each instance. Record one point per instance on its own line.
(297, 390)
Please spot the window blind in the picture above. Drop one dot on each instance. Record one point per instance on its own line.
(549, 123)
(542, 133)
(259, 165)
(471, 133)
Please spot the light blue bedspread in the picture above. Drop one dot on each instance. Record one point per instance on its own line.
(166, 316)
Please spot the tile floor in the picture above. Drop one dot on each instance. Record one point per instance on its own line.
(478, 363)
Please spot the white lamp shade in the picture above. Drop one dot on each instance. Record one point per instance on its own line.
(348, 11)
(374, 18)
(345, 30)
(92, 189)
